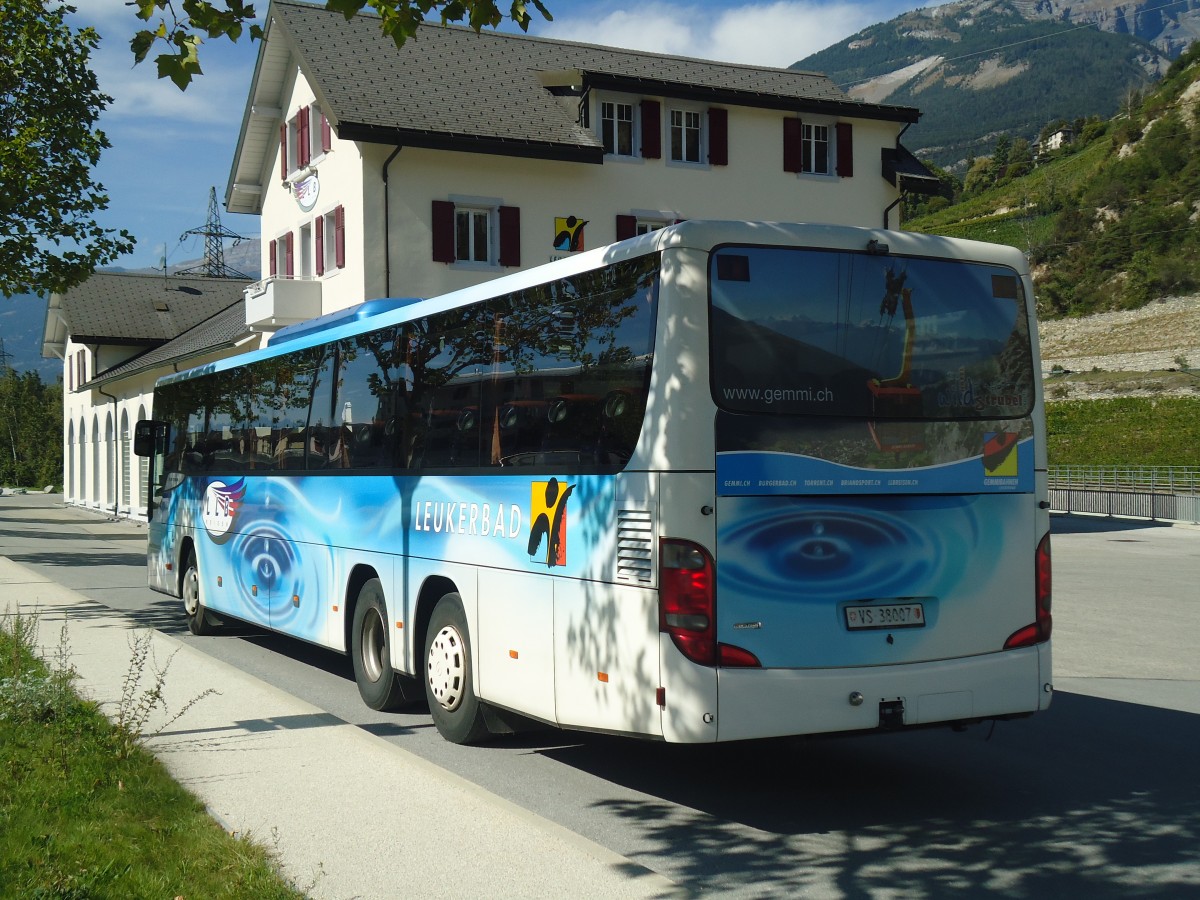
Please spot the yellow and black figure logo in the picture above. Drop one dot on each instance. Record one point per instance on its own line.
(548, 519)
(568, 233)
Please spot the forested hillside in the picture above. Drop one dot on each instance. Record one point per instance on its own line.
(1110, 222)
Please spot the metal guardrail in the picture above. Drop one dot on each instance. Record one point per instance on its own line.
(1153, 479)
(1170, 493)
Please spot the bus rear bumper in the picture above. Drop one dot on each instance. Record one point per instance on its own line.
(758, 703)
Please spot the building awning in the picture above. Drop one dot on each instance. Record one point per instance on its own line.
(905, 171)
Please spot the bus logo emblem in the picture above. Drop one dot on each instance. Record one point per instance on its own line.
(548, 518)
(999, 453)
(220, 505)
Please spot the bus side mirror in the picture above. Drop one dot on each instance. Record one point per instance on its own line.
(143, 437)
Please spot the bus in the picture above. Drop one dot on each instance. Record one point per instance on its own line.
(722, 481)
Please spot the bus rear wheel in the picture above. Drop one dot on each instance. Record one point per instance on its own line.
(449, 670)
(198, 618)
(381, 687)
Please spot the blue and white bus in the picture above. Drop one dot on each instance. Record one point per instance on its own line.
(722, 481)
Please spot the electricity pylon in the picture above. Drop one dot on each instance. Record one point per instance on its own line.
(215, 234)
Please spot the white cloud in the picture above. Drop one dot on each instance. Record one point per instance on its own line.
(774, 33)
(137, 91)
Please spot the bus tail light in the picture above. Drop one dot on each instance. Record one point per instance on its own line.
(687, 605)
(1039, 631)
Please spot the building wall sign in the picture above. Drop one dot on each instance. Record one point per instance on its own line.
(306, 192)
(568, 233)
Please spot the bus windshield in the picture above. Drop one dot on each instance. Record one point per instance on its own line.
(848, 334)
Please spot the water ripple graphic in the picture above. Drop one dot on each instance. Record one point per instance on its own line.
(816, 554)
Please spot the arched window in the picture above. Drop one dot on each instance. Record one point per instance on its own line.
(143, 470)
(95, 492)
(69, 486)
(127, 469)
(111, 465)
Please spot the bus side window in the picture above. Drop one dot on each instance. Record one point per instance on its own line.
(370, 377)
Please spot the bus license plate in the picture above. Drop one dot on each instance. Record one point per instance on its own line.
(893, 615)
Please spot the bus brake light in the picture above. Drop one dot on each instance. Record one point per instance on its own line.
(687, 605)
(1039, 631)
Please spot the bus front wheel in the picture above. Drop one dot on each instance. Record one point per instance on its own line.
(198, 618)
(380, 686)
(449, 668)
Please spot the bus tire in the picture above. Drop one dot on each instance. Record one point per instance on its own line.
(380, 686)
(199, 620)
(449, 669)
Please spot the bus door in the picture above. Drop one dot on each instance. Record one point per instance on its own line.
(150, 442)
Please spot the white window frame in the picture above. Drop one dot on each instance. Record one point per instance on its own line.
(628, 103)
(475, 213)
(809, 141)
(306, 260)
(701, 130)
(329, 242)
(647, 225)
(293, 144)
(279, 248)
(316, 147)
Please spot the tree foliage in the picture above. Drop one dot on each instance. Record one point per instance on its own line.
(31, 415)
(49, 143)
(182, 25)
(1129, 235)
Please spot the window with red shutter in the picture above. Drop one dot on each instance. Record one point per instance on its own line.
(290, 255)
(326, 135)
(283, 159)
(339, 237)
(320, 239)
(303, 145)
(443, 231)
(718, 136)
(845, 149)
(510, 236)
(626, 227)
(651, 129)
(792, 146)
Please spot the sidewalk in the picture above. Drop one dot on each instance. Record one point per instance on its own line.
(349, 814)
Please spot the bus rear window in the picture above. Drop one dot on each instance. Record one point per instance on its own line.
(838, 333)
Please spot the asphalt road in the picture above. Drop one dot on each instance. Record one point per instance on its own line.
(1099, 796)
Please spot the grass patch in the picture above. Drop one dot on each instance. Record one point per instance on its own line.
(1124, 431)
(84, 815)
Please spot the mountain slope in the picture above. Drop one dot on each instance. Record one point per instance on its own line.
(1111, 222)
(983, 67)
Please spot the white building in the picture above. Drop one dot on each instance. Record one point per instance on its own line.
(383, 171)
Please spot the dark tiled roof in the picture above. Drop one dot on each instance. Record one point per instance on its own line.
(452, 82)
(133, 309)
(222, 330)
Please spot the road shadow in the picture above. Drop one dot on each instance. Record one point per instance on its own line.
(1063, 523)
(80, 559)
(1094, 798)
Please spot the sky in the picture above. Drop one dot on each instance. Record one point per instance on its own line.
(169, 147)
